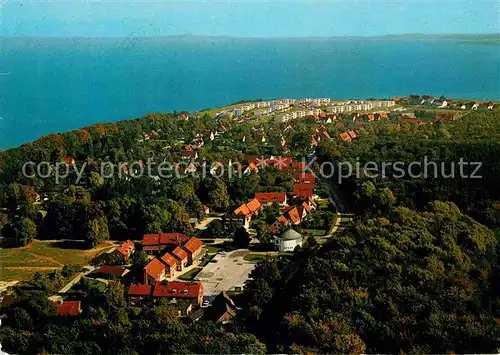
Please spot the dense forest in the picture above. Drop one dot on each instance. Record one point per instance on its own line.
(417, 271)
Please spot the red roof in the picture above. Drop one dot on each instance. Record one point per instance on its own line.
(69, 160)
(173, 238)
(155, 240)
(339, 124)
(352, 134)
(271, 197)
(193, 245)
(150, 239)
(249, 208)
(179, 254)
(178, 289)
(294, 215)
(126, 248)
(254, 205)
(169, 260)
(307, 178)
(139, 290)
(345, 137)
(69, 308)
(282, 220)
(299, 165)
(303, 190)
(154, 268)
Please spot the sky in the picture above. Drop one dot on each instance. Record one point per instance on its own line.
(257, 18)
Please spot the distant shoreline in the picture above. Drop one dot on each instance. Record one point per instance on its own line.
(466, 36)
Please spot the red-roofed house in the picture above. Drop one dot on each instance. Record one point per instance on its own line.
(69, 308)
(125, 250)
(283, 220)
(69, 161)
(271, 197)
(170, 264)
(339, 125)
(352, 134)
(154, 271)
(295, 215)
(181, 256)
(306, 178)
(192, 291)
(157, 242)
(371, 117)
(189, 153)
(345, 137)
(193, 249)
(383, 115)
(247, 210)
(172, 240)
(137, 292)
(303, 190)
(150, 242)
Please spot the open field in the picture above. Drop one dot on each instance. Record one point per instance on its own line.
(21, 263)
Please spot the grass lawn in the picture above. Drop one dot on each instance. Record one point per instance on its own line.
(255, 258)
(206, 259)
(21, 263)
(212, 249)
(191, 274)
(315, 232)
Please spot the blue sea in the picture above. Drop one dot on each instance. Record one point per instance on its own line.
(55, 84)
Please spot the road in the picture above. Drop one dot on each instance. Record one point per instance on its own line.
(76, 279)
(344, 213)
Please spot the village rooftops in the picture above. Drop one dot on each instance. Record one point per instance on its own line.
(294, 215)
(126, 248)
(345, 137)
(249, 208)
(303, 190)
(193, 245)
(69, 308)
(169, 259)
(155, 268)
(270, 197)
(157, 241)
(178, 289)
(179, 254)
(139, 290)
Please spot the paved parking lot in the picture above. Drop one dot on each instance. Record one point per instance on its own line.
(225, 272)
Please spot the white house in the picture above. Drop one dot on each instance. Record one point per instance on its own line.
(288, 240)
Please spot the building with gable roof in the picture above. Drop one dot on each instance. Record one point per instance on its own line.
(154, 271)
(193, 249)
(288, 240)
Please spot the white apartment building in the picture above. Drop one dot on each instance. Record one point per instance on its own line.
(262, 104)
(262, 112)
(278, 107)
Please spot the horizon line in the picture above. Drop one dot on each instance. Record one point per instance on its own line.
(415, 34)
